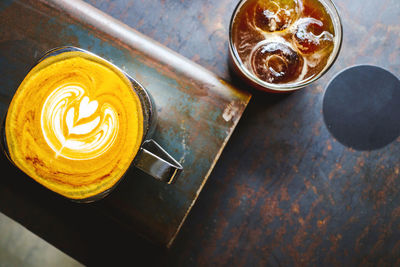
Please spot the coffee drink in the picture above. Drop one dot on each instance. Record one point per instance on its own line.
(283, 42)
(75, 124)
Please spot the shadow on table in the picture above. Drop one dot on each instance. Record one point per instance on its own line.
(79, 230)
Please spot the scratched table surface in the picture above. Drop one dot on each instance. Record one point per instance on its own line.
(284, 192)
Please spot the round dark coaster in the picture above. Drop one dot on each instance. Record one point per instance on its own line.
(361, 107)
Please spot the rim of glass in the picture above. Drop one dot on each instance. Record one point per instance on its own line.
(338, 26)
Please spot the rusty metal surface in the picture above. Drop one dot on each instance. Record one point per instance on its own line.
(197, 112)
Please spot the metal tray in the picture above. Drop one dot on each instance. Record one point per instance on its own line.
(197, 111)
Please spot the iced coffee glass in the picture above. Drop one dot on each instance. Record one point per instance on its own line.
(284, 45)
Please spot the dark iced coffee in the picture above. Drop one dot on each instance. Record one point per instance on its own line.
(283, 41)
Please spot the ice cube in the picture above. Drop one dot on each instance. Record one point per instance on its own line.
(276, 62)
(310, 36)
(275, 15)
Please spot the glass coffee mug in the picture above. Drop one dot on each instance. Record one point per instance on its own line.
(77, 123)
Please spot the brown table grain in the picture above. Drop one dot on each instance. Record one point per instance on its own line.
(284, 192)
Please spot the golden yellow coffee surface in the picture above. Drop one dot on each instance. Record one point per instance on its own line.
(75, 124)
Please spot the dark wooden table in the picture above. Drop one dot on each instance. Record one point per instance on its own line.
(284, 192)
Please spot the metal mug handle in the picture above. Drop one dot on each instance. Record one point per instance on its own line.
(155, 161)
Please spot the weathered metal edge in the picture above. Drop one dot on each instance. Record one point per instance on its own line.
(92, 16)
(169, 244)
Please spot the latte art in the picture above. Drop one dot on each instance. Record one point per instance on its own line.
(75, 124)
(75, 128)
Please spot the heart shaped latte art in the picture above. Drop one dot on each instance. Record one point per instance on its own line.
(75, 128)
(75, 124)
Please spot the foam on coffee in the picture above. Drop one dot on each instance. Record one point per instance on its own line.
(75, 127)
(75, 124)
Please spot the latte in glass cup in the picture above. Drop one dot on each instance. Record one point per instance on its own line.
(75, 124)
